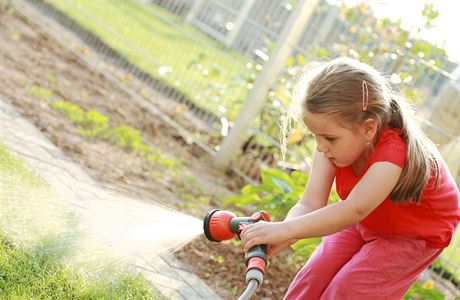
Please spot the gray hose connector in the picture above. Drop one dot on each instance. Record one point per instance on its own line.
(250, 289)
(254, 278)
(255, 274)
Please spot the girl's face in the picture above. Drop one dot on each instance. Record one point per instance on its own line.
(341, 145)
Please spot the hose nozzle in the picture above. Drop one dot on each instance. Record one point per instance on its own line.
(220, 225)
(216, 225)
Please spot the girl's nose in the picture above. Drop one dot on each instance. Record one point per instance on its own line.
(321, 148)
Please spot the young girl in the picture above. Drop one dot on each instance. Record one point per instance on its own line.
(400, 205)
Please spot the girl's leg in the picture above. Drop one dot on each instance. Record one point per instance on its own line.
(328, 258)
(382, 269)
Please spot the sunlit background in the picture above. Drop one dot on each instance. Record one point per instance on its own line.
(444, 27)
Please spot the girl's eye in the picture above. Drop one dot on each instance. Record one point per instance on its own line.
(330, 139)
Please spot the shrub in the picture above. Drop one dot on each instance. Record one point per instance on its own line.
(277, 193)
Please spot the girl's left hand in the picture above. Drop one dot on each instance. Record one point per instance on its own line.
(271, 233)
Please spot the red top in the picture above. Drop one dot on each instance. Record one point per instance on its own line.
(434, 218)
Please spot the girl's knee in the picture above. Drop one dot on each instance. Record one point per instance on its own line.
(337, 288)
(309, 283)
(352, 285)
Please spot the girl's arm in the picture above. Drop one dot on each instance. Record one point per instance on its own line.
(369, 192)
(318, 187)
(314, 197)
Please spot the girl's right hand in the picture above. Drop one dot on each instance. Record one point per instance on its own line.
(272, 250)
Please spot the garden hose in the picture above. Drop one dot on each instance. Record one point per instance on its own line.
(250, 289)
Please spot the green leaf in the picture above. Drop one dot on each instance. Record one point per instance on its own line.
(247, 190)
(304, 248)
(282, 185)
(269, 174)
(243, 200)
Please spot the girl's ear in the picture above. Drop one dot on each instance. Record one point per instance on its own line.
(369, 129)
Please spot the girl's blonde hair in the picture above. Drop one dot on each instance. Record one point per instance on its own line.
(336, 88)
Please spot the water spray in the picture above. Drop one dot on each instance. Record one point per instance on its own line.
(220, 225)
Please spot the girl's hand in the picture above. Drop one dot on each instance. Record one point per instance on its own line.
(270, 233)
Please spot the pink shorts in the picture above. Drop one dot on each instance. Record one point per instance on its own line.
(356, 263)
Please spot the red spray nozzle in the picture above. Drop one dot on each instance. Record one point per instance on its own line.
(217, 225)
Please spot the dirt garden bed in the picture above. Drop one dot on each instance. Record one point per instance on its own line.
(35, 70)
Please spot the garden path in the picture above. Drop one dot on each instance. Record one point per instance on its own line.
(172, 278)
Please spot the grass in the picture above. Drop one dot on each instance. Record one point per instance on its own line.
(11, 164)
(35, 269)
(163, 46)
(37, 273)
(91, 123)
(20, 188)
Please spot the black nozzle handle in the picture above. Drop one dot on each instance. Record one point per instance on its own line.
(257, 251)
(237, 221)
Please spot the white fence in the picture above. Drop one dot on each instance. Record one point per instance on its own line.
(245, 25)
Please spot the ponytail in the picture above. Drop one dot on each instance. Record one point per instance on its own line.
(397, 119)
(421, 162)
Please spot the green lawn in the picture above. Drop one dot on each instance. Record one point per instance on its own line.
(30, 210)
(36, 273)
(155, 40)
(32, 250)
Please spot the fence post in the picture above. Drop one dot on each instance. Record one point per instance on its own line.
(287, 40)
(193, 11)
(326, 26)
(243, 14)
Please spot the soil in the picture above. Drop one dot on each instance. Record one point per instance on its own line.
(29, 56)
